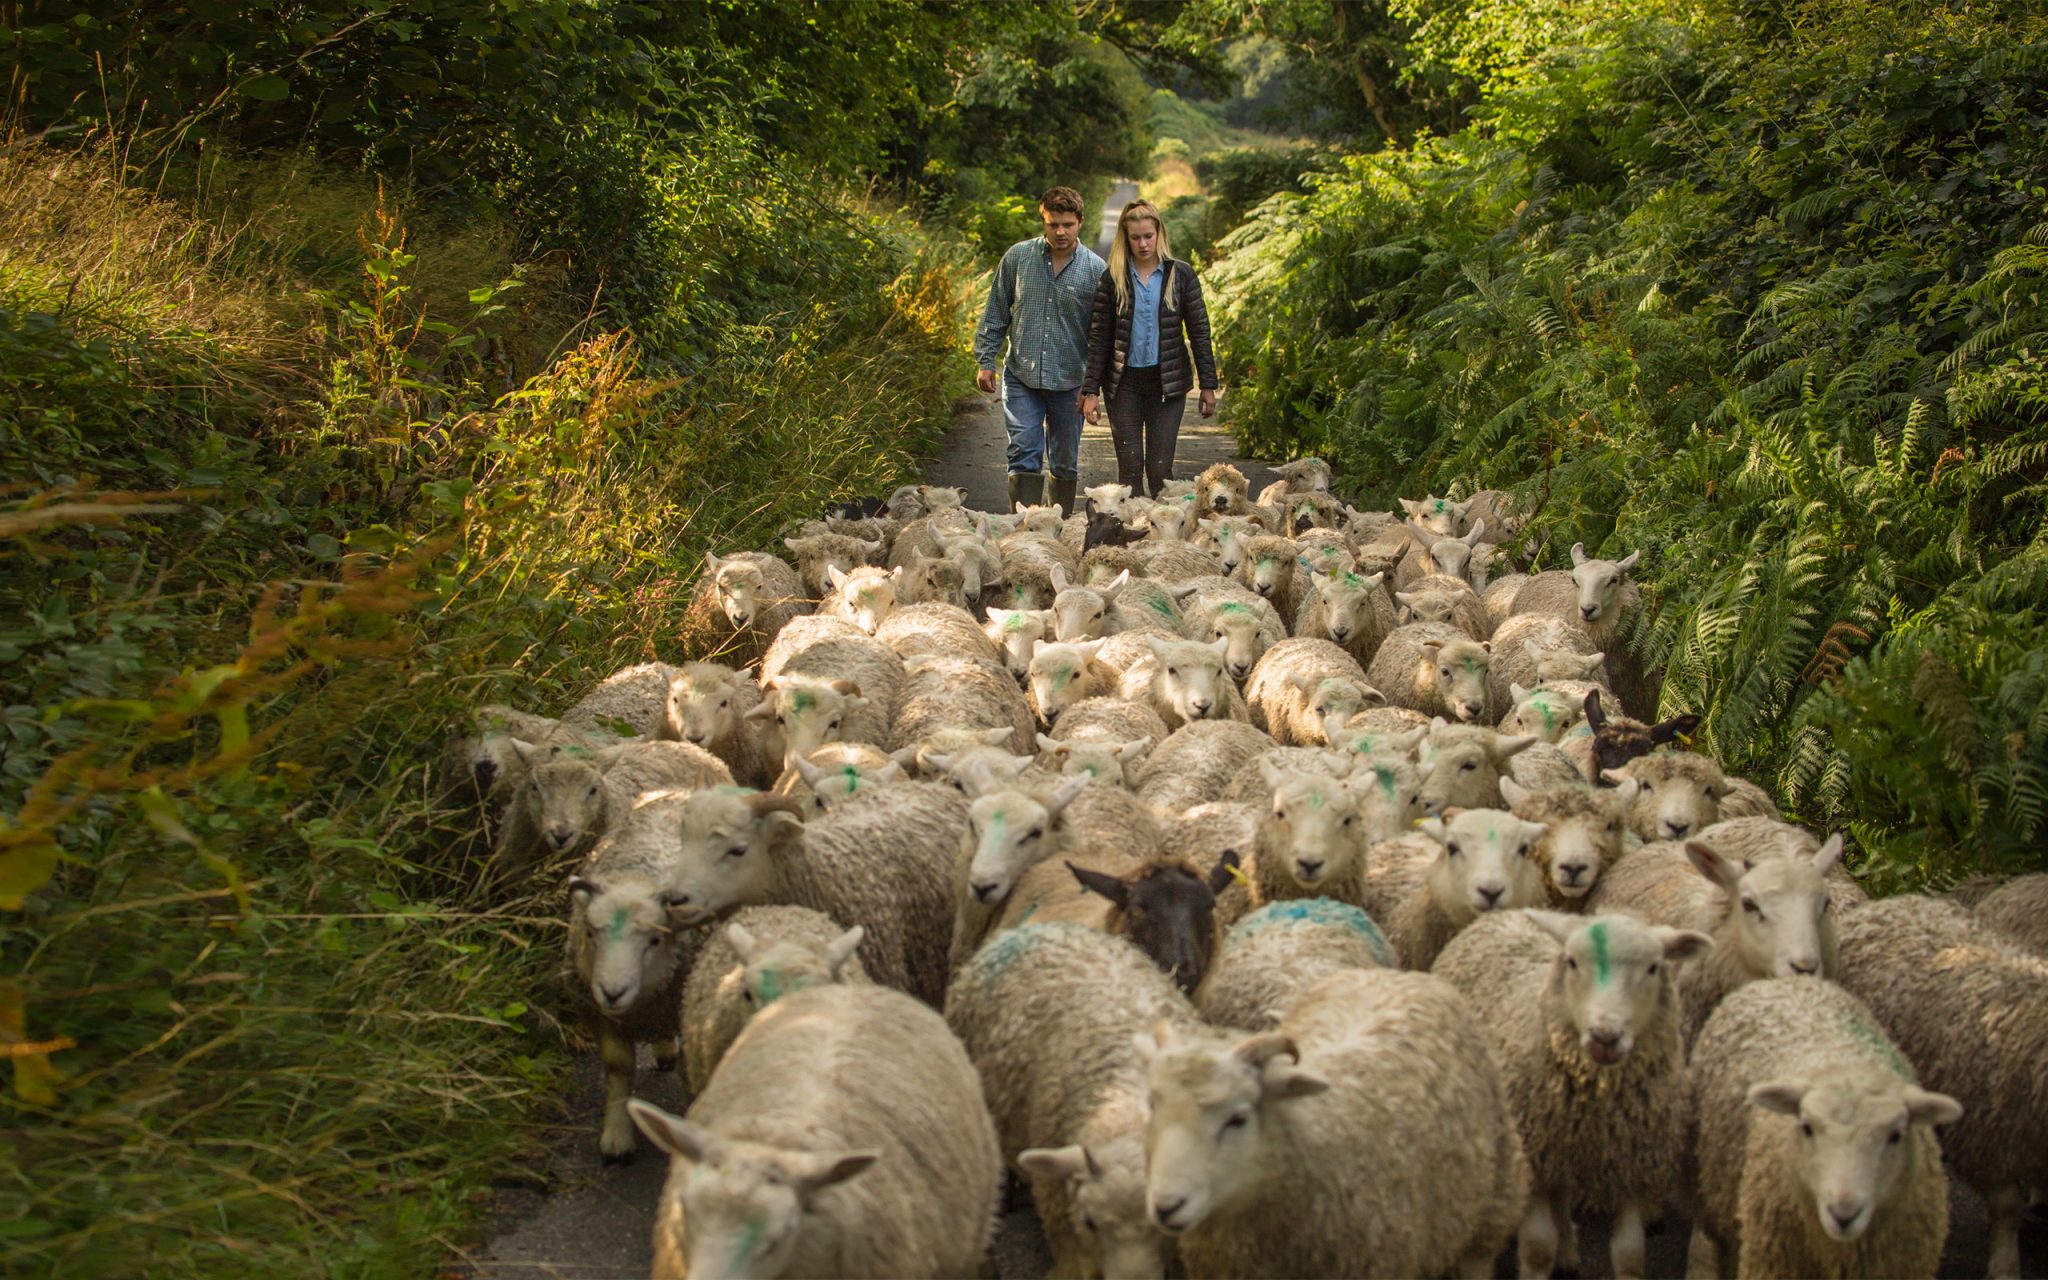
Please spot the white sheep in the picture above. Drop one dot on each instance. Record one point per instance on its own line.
(1281, 694)
(1166, 562)
(836, 772)
(1047, 1012)
(1816, 1151)
(1062, 675)
(1273, 955)
(1109, 720)
(1010, 830)
(707, 707)
(1017, 633)
(1678, 793)
(1195, 763)
(1220, 608)
(1183, 680)
(571, 797)
(1462, 765)
(800, 635)
(1585, 834)
(819, 552)
(840, 689)
(1347, 608)
(1434, 669)
(482, 767)
(1436, 553)
(1970, 1010)
(631, 702)
(1486, 861)
(1258, 1146)
(845, 1134)
(937, 629)
(942, 693)
(1582, 1017)
(1438, 597)
(763, 954)
(1532, 648)
(1111, 608)
(1597, 595)
(2019, 910)
(1117, 763)
(1269, 568)
(1303, 475)
(883, 860)
(863, 597)
(1551, 711)
(1228, 537)
(740, 604)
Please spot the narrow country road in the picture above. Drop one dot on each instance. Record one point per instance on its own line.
(1121, 194)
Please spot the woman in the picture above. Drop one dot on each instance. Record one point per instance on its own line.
(1136, 358)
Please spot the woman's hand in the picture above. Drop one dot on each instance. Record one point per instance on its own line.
(1209, 404)
(1091, 409)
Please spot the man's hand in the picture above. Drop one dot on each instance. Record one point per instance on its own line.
(985, 380)
(1091, 409)
(1209, 404)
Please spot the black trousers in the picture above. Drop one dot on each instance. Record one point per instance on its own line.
(1144, 428)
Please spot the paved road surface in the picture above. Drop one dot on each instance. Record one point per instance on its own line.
(1113, 208)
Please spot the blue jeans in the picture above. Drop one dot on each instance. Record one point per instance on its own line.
(1042, 422)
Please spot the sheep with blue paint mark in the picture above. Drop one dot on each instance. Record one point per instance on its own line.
(1269, 958)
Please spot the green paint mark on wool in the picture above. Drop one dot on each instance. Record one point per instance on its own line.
(1438, 505)
(1363, 744)
(1549, 714)
(1017, 621)
(743, 1252)
(1385, 774)
(800, 702)
(1353, 580)
(1161, 606)
(1232, 606)
(1602, 970)
(771, 986)
(1860, 1030)
(618, 928)
(852, 775)
(1267, 562)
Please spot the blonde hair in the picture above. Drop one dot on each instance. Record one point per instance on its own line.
(1120, 250)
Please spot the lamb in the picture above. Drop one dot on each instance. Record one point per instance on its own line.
(1597, 595)
(935, 628)
(1183, 681)
(1047, 1012)
(1531, 648)
(484, 768)
(1550, 711)
(1678, 793)
(1585, 834)
(1193, 764)
(883, 861)
(1434, 517)
(764, 954)
(1970, 1010)
(1109, 720)
(927, 580)
(740, 604)
(1229, 537)
(1282, 694)
(1032, 569)
(770, 1174)
(1258, 1145)
(939, 694)
(1222, 490)
(632, 702)
(629, 949)
(1816, 1149)
(820, 552)
(1219, 608)
(1750, 840)
(838, 690)
(1582, 1017)
(1436, 554)
(801, 635)
(1303, 475)
(1348, 609)
(571, 797)
(2019, 910)
(1487, 862)
(1438, 597)
(1268, 568)
(1311, 840)
(1017, 633)
(707, 707)
(1281, 950)
(1434, 669)
(863, 597)
(1062, 675)
(1011, 830)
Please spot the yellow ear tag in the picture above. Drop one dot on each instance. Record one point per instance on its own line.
(1685, 740)
(1237, 874)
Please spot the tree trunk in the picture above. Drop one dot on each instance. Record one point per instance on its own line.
(1368, 84)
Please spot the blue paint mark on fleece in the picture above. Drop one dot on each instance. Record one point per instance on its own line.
(1326, 912)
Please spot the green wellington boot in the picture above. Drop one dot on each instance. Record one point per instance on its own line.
(1063, 493)
(1027, 487)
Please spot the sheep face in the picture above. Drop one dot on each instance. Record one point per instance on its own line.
(1599, 583)
(1427, 606)
(814, 556)
(976, 770)
(1011, 832)
(1545, 713)
(1347, 603)
(1106, 1192)
(1613, 978)
(865, 596)
(1056, 676)
(1167, 908)
(739, 587)
(1338, 698)
(1243, 633)
(1465, 767)
(1116, 763)
(1677, 794)
(1046, 521)
(1565, 664)
(836, 783)
(1389, 794)
(1488, 863)
(1313, 825)
(1461, 667)
(1780, 924)
(1271, 567)
(1318, 510)
(1210, 1099)
(808, 713)
(727, 851)
(1857, 1137)
(1109, 497)
(1586, 831)
(973, 558)
(1221, 490)
(1017, 633)
(1078, 612)
(630, 939)
(943, 497)
(1169, 521)
(934, 581)
(1231, 534)
(1189, 677)
(1305, 475)
(703, 703)
(567, 793)
(773, 970)
(1438, 516)
(743, 1203)
(1324, 556)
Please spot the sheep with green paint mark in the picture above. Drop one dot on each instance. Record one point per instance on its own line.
(1062, 675)
(761, 955)
(1553, 711)
(863, 597)
(1816, 1149)
(1436, 670)
(1228, 537)
(844, 1135)
(571, 797)
(1281, 695)
(1219, 608)
(740, 604)
(1439, 597)
(1582, 1016)
(837, 772)
(1270, 957)
(1122, 604)
(1462, 765)
(942, 694)
(1532, 648)
(1095, 758)
(1485, 861)
(819, 553)
(1017, 633)
(1269, 568)
(840, 688)
(1346, 608)
(1184, 681)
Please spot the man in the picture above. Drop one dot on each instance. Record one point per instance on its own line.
(1040, 300)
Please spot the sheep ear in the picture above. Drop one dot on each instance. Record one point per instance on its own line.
(1925, 1107)
(1431, 646)
(1709, 863)
(1578, 554)
(994, 737)
(1503, 746)
(841, 949)
(1114, 585)
(1059, 578)
(1829, 853)
(1160, 648)
(791, 543)
(1283, 1082)
(581, 890)
(1046, 742)
(813, 1173)
(845, 688)
(1681, 944)
(1146, 1043)
(1262, 1049)
(673, 1134)
(835, 575)
(1271, 771)
(1134, 749)
(1473, 536)
(1108, 886)
(1517, 694)
(1626, 789)
(1373, 697)
(1405, 597)
(904, 757)
(712, 564)
(808, 771)
(1780, 1096)
(1629, 562)
(1674, 728)
(1411, 506)
(1437, 724)
(528, 753)
(998, 615)
(1220, 645)
(1614, 777)
(1594, 715)
(919, 661)
(889, 772)
(896, 575)
(745, 675)
(741, 939)
(1372, 580)
(1058, 1162)
(1063, 795)
(763, 710)
(1534, 650)
(1183, 591)
(1514, 793)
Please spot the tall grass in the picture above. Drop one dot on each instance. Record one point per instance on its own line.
(294, 501)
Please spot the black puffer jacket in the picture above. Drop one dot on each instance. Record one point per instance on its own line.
(1180, 306)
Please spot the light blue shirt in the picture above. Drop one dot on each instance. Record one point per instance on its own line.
(1144, 352)
(1042, 314)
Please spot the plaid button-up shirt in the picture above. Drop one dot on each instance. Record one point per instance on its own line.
(1044, 316)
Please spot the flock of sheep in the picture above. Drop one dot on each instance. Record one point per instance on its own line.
(1277, 888)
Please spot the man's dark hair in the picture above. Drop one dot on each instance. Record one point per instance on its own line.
(1061, 200)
